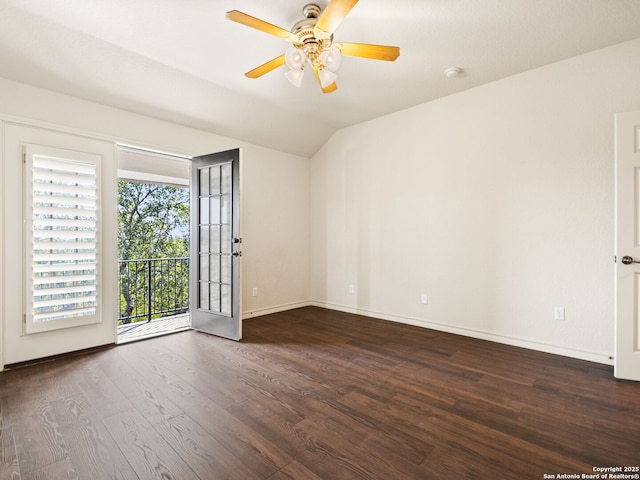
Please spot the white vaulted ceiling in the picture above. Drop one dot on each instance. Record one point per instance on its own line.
(182, 61)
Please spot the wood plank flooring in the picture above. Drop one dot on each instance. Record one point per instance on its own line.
(315, 394)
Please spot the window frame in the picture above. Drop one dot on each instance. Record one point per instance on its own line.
(32, 151)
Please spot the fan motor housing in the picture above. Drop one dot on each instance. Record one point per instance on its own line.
(310, 39)
(311, 10)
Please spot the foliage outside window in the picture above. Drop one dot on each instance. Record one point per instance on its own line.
(153, 250)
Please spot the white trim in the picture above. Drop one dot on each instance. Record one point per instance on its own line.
(117, 140)
(468, 332)
(2, 312)
(276, 309)
(151, 178)
(143, 150)
(150, 166)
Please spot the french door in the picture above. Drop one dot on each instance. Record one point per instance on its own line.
(59, 203)
(215, 244)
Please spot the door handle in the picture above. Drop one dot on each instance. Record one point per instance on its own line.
(627, 260)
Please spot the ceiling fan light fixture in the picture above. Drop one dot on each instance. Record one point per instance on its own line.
(312, 43)
(327, 77)
(331, 58)
(294, 58)
(295, 76)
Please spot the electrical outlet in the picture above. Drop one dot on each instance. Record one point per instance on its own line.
(558, 313)
(352, 288)
(423, 298)
(254, 292)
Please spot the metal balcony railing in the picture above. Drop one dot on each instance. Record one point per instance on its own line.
(153, 288)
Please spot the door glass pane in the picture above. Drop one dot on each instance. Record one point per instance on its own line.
(214, 268)
(225, 300)
(225, 269)
(225, 209)
(214, 216)
(204, 268)
(225, 184)
(204, 296)
(204, 239)
(225, 240)
(215, 238)
(204, 211)
(214, 297)
(203, 175)
(214, 180)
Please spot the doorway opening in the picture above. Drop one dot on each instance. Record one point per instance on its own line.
(153, 244)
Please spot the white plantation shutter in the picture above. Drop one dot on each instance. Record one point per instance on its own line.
(62, 227)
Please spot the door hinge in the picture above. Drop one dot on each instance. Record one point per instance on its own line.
(615, 259)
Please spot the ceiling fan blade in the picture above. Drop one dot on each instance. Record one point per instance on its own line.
(334, 14)
(266, 67)
(331, 88)
(328, 89)
(366, 50)
(253, 22)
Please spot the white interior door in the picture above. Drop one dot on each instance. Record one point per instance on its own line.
(627, 317)
(24, 296)
(215, 244)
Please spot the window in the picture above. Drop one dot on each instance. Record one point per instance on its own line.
(62, 222)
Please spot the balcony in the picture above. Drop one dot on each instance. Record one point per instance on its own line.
(154, 297)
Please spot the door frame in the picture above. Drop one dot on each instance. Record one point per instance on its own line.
(150, 166)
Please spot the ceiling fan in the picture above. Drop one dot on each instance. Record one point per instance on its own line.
(313, 45)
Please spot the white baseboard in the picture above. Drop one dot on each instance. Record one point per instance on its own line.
(278, 308)
(468, 332)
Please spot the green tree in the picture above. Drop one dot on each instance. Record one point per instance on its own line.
(153, 223)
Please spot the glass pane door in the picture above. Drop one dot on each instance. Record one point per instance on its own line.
(214, 284)
(215, 244)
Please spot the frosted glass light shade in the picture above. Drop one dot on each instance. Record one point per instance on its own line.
(331, 59)
(327, 77)
(294, 58)
(295, 76)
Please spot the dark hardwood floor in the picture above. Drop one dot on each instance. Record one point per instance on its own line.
(315, 394)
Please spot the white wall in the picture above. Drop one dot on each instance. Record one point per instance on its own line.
(275, 220)
(276, 235)
(497, 202)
